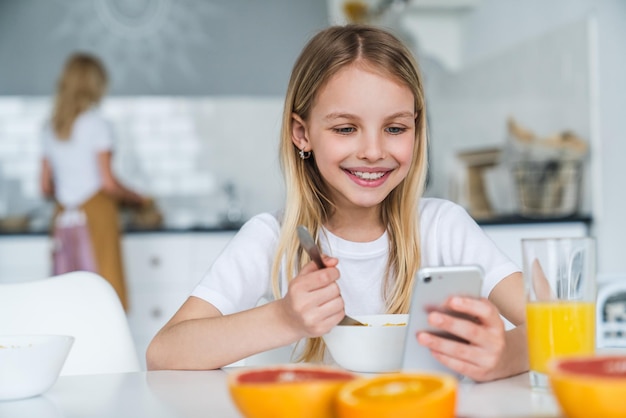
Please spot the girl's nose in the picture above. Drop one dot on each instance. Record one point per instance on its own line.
(371, 146)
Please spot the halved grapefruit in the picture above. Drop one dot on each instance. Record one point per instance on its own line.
(399, 395)
(590, 386)
(301, 391)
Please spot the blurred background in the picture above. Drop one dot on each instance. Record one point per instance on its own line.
(525, 110)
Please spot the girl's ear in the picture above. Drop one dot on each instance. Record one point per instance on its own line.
(299, 135)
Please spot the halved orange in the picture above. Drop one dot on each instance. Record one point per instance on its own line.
(590, 386)
(399, 395)
(302, 391)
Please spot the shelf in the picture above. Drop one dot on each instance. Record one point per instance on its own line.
(442, 5)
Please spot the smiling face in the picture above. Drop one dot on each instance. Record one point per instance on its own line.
(361, 130)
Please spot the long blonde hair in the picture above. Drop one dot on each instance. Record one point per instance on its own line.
(307, 198)
(81, 85)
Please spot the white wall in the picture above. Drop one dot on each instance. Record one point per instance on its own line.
(610, 207)
(497, 24)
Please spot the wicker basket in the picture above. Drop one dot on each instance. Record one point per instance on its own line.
(548, 189)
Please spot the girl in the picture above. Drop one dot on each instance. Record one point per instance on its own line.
(353, 151)
(76, 172)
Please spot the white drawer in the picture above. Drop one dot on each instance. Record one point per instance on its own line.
(154, 258)
(150, 310)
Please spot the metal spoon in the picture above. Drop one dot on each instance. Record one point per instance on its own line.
(307, 242)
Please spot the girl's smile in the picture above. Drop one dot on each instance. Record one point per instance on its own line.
(368, 177)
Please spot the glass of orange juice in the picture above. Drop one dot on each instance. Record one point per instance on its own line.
(560, 281)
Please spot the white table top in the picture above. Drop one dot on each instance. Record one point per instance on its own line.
(189, 394)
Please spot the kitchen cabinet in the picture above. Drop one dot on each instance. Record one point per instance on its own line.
(161, 270)
(508, 237)
(25, 257)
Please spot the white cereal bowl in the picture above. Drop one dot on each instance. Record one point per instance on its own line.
(375, 348)
(30, 364)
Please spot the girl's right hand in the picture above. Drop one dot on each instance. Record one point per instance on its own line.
(313, 303)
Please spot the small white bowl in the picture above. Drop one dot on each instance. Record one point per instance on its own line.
(30, 364)
(375, 348)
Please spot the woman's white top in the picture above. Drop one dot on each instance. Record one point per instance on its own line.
(74, 161)
(239, 279)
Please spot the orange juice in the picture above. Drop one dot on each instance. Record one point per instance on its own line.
(559, 328)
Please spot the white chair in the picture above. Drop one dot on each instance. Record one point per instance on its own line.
(80, 304)
(611, 315)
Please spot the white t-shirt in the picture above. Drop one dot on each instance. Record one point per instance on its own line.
(240, 277)
(74, 161)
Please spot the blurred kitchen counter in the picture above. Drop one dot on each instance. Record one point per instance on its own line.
(503, 220)
(131, 230)
(162, 266)
(514, 219)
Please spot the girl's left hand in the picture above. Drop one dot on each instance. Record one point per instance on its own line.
(482, 358)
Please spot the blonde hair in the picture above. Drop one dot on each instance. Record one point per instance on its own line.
(81, 85)
(307, 197)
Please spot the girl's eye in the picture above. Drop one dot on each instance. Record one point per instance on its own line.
(345, 130)
(395, 130)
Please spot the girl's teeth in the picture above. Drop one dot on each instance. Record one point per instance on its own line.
(368, 176)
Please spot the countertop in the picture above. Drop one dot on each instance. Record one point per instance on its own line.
(130, 230)
(496, 220)
(514, 219)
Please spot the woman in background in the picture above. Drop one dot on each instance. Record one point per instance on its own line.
(76, 172)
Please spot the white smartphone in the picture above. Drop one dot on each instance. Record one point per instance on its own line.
(433, 286)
